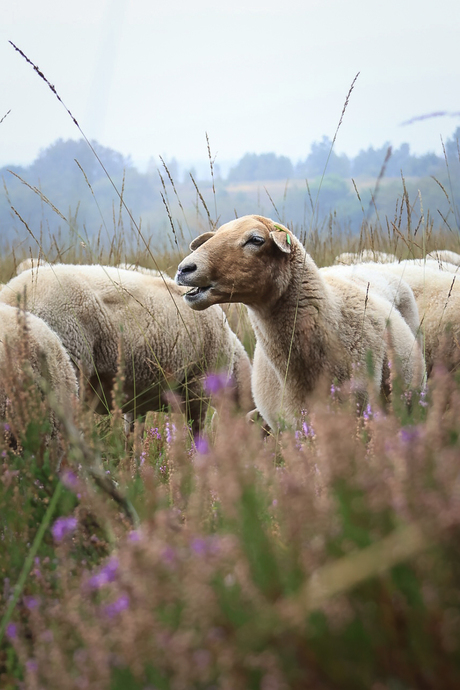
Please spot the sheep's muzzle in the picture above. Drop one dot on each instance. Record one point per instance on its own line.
(196, 297)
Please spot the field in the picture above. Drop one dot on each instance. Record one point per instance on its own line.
(319, 557)
(324, 556)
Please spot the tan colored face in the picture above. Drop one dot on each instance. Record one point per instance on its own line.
(240, 262)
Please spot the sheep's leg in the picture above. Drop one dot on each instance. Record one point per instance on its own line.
(195, 404)
(266, 389)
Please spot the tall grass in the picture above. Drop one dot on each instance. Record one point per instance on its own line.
(326, 557)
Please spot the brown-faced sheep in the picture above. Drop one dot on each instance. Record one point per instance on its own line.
(310, 328)
(166, 347)
(31, 351)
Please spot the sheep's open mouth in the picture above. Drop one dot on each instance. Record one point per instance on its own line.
(195, 291)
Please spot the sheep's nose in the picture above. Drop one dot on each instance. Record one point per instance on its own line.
(186, 268)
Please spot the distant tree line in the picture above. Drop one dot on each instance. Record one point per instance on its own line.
(323, 159)
(66, 188)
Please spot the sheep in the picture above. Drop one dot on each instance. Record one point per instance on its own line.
(441, 260)
(31, 263)
(311, 328)
(433, 264)
(445, 256)
(39, 262)
(94, 308)
(437, 293)
(393, 288)
(364, 256)
(27, 341)
(140, 269)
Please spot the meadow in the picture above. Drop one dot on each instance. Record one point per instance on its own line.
(322, 557)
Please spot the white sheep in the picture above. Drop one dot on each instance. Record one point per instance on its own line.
(166, 347)
(364, 256)
(445, 256)
(433, 264)
(311, 329)
(27, 341)
(393, 288)
(31, 262)
(437, 293)
(441, 260)
(140, 269)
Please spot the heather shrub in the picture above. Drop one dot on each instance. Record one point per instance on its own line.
(322, 557)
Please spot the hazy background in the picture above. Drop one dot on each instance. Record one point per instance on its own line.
(149, 78)
(266, 80)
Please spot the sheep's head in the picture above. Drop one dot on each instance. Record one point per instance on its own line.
(246, 260)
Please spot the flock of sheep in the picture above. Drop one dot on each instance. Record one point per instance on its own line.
(314, 327)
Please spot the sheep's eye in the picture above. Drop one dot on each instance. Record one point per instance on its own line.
(255, 239)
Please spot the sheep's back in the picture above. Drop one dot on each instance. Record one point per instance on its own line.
(44, 352)
(437, 294)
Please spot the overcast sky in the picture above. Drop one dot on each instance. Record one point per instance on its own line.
(149, 78)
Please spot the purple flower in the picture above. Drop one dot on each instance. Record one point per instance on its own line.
(154, 432)
(70, 480)
(422, 400)
(170, 431)
(134, 535)
(11, 631)
(367, 414)
(31, 666)
(121, 604)
(106, 574)
(6, 427)
(307, 430)
(214, 383)
(63, 526)
(199, 546)
(201, 445)
(31, 603)
(409, 434)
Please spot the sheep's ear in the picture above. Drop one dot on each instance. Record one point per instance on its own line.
(282, 239)
(201, 239)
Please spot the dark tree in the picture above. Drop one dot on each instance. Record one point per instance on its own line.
(315, 164)
(265, 166)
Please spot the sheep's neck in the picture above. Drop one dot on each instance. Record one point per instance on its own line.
(292, 331)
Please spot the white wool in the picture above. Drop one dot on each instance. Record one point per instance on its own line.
(44, 352)
(311, 327)
(167, 348)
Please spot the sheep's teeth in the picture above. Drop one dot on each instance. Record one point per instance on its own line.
(197, 290)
